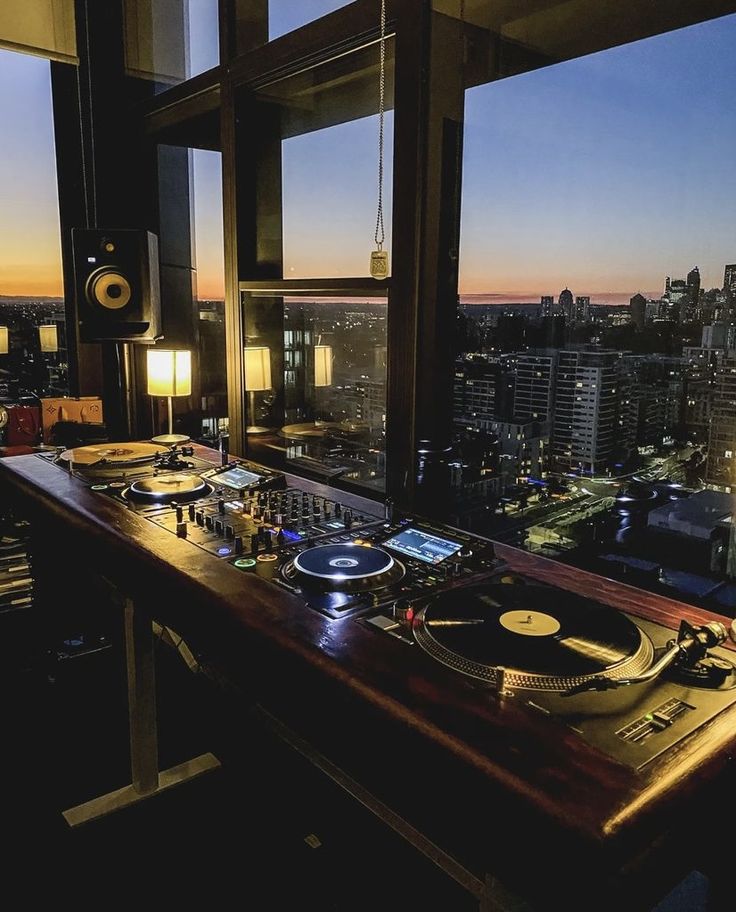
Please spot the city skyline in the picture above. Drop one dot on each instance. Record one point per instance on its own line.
(625, 153)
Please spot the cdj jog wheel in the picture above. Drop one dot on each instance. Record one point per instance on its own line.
(162, 489)
(543, 639)
(346, 567)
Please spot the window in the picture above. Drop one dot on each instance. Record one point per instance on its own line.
(314, 323)
(31, 292)
(316, 367)
(563, 167)
(286, 15)
(167, 43)
(208, 261)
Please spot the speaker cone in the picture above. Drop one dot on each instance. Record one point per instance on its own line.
(108, 289)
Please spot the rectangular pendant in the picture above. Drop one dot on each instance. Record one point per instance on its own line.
(379, 264)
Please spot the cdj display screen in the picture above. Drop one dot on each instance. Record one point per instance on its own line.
(422, 546)
(237, 478)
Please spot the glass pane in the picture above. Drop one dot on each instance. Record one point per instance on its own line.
(168, 41)
(314, 160)
(31, 292)
(321, 170)
(316, 375)
(597, 318)
(286, 15)
(209, 263)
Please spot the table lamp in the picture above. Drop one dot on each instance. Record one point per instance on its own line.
(322, 370)
(257, 378)
(4, 340)
(169, 374)
(323, 365)
(49, 338)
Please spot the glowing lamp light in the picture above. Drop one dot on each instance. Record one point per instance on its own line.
(323, 365)
(4, 340)
(169, 373)
(49, 338)
(257, 379)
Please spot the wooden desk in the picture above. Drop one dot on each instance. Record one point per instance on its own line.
(520, 800)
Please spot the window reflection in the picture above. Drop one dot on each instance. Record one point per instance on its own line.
(323, 410)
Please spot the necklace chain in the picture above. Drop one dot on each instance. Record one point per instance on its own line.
(380, 234)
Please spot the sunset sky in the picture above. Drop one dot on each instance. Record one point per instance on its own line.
(603, 174)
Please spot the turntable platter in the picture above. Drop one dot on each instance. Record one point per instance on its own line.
(181, 487)
(113, 454)
(543, 638)
(347, 567)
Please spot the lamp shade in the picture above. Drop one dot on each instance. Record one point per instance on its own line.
(169, 372)
(49, 338)
(4, 340)
(323, 365)
(258, 368)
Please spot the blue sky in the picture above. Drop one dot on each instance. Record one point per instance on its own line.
(605, 173)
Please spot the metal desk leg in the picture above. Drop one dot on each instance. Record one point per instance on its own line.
(145, 775)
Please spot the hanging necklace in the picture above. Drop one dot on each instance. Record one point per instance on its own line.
(379, 256)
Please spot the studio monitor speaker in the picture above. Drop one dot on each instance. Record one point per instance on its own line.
(116, 285)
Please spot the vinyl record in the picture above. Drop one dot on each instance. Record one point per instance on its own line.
(543, 637)
(118, 454)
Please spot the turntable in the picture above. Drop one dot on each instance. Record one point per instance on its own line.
(108, 460)
(627, 685)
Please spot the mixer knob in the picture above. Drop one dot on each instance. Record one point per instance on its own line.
(218, 527)
(280, 539)
(269, 543)
(457, 568)
(209, 522)
(181, 530)
(192, 512)
(255, 542)
(348, 519)
(200, 518)
(279, 519)
(338, 509)
(221, 506)
(229, 532)
(239, 544)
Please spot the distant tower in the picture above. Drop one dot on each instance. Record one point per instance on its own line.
(548, 304)
(582, 309)
(638, 309)
(667, 284)
(565, 301)
(729, 281)
(693, 290)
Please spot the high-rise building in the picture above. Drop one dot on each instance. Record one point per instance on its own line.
(535, 383)
(481, 392)
(720, 469)
(638, 309)
(584, 420)
(582, 309)
(547, 304)
(692, 285)
(566, 303)
(729, 281)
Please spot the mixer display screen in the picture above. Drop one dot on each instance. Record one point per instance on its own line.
(238, 478)
(422, 546)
